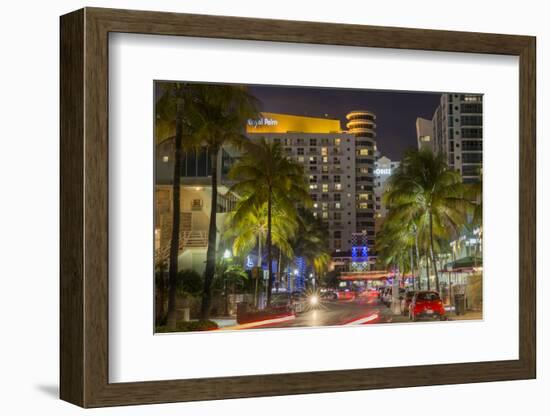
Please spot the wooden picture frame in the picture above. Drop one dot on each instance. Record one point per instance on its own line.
(84, 207)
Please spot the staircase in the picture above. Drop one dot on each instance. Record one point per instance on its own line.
(188, 238)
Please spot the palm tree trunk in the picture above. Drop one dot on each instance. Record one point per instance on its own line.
(412, 263)
(417, 256)
(432, 253)
(259, 265)
(160, 299)
(428, 272)
(259, 251)
(176, 206)
(212, 233)
(269, 254)
(279, 280)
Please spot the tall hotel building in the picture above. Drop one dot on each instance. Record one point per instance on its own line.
(339, 167)
(383, 169)
(457, 132)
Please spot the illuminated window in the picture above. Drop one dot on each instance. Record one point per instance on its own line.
(363, 205)
(364, 197)
(424, 139)
(315, 205)
(324, 206)
(312, 159)
(313, 186)
(325, 187)
(337, 205)
(338, 186)
(325, 215)
(301, 159)
(324, 151)
(325, 159)
(364, 152)
(324, 169)
(337, 142)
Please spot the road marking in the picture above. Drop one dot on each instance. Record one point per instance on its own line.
(363, 320)
(259, 323)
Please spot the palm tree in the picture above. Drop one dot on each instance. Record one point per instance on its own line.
(219, 113)
(424, 190)
(311, 242)
(249, 230)
(474, 192)
(396, 244)
(169, 124)
(265, 176)
(205, 115)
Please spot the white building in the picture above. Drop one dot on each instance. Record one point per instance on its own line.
(424, 133)
(457, 132)
(383, 169)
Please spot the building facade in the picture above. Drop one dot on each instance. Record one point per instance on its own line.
(424, 133)
(383, 169)
(339, 165)
(361, 124)
(457, 132)
(195, 204)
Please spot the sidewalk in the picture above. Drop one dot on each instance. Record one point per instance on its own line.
(233, 325)
(468, 316)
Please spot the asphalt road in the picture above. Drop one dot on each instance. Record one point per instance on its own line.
(340, 312)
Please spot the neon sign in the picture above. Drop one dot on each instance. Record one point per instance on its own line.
(263, 121)
(382, 171)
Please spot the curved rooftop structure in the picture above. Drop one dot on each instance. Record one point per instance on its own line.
(361, 123)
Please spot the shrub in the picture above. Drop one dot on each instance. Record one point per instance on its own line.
(189, 283)
(189, 326)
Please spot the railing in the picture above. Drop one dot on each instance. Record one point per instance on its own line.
(188, 239)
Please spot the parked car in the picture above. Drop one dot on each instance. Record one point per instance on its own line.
(329, 295)
(302, 301)
(281, 301)
(406, 301)
(426, 304)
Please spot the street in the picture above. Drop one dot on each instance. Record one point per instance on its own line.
(362, 310)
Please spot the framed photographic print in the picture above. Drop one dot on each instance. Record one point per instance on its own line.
(257, 207)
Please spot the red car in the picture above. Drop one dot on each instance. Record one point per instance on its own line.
(406, 301)
(426, 304)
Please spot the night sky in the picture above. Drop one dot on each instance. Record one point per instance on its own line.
(396, 112)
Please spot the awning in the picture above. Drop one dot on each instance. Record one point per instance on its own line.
(370, 275)
(466, 264)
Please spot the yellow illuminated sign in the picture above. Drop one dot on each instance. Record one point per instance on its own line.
(285, 123)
